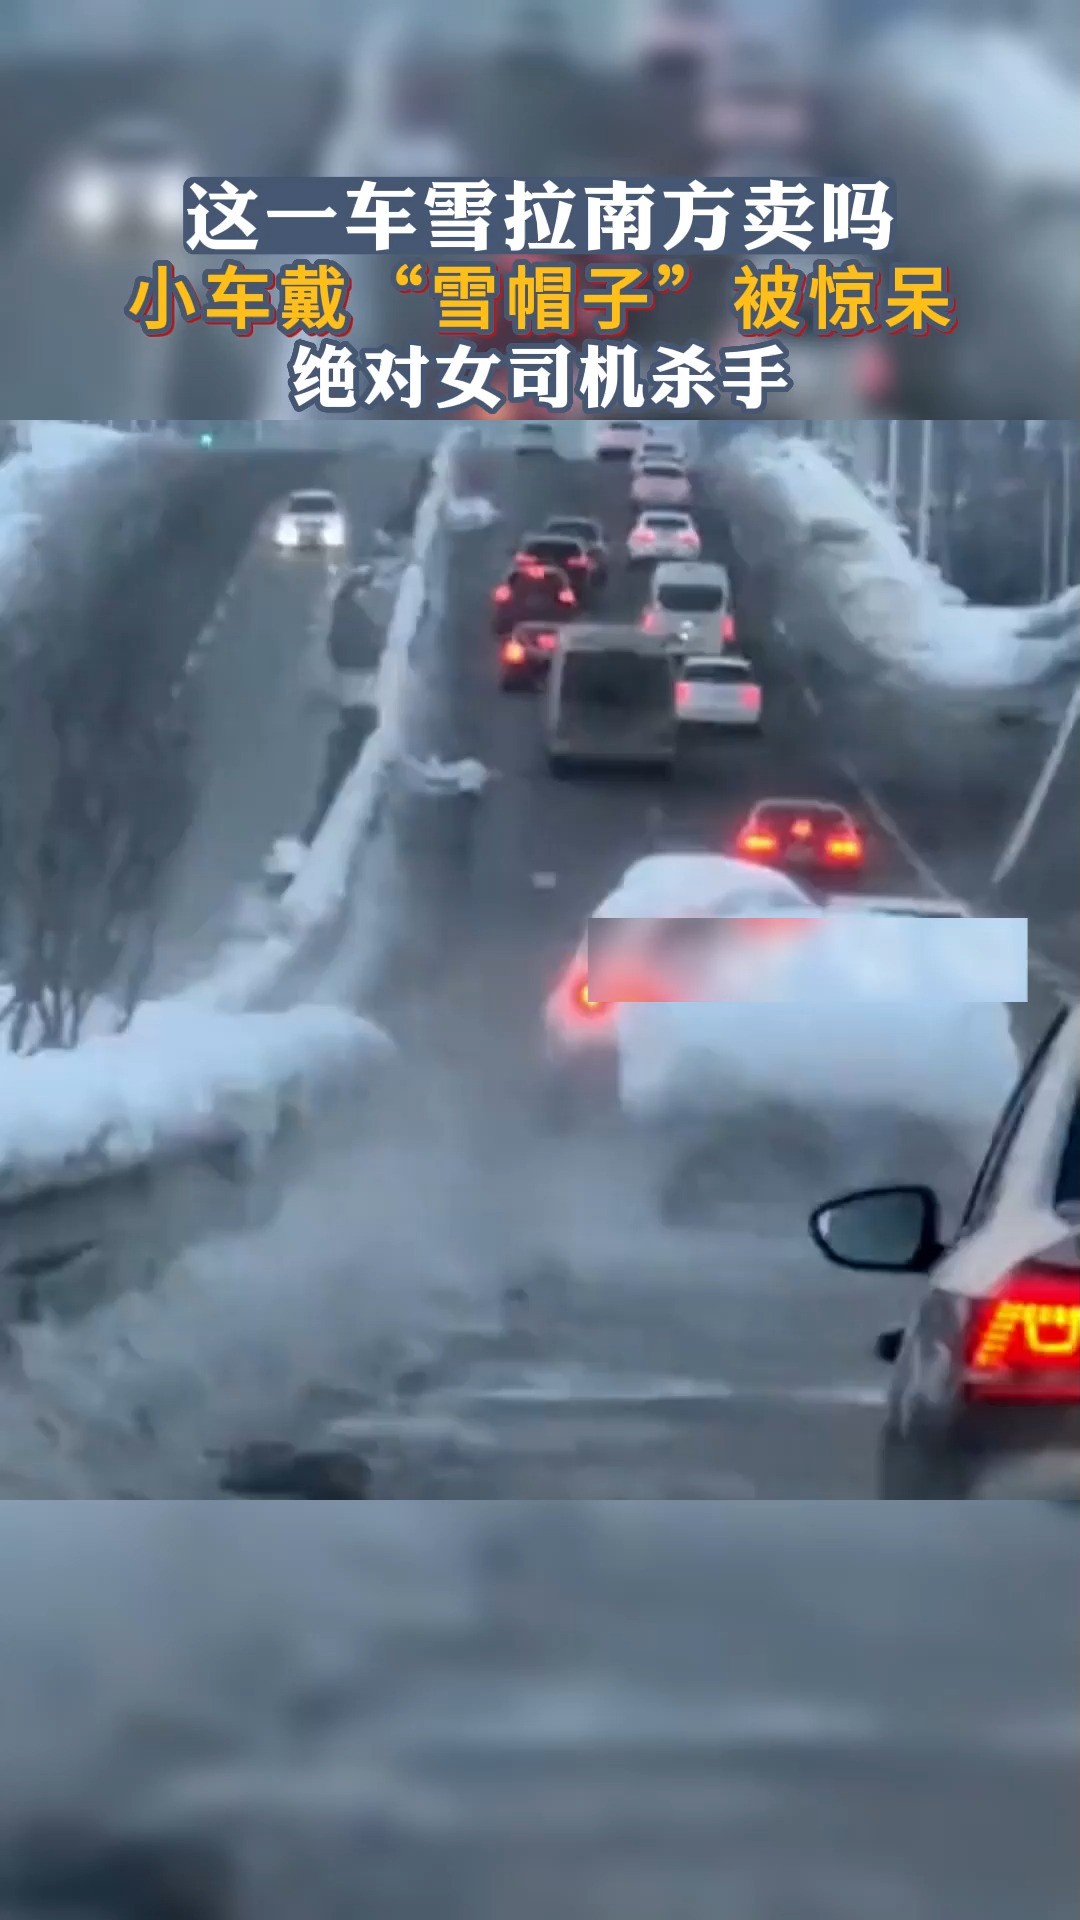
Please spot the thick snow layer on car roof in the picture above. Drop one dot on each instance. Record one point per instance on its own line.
(665, 885)
(177, 1078)
(821, 1045)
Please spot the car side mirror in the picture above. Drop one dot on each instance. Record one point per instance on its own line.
(881, 1229)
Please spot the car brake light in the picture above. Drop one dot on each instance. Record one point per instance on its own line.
(566, 597)
(644, 533)
(579, 994)
(513, 653)
(750, 697)
(727, 629)
(682, 693)
(802, 830)
(502, 594)
(1023, 1343)
(843, 846)
(757, 842)
(546, 641)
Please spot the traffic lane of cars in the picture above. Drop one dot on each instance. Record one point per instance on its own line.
(266, 717)
(726, 1363)
(587, 831)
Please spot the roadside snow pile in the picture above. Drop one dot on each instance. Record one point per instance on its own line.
(179, 1079)
(66, 443)
(51, 459)
(790, 505)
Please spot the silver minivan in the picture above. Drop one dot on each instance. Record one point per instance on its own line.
(689, 607)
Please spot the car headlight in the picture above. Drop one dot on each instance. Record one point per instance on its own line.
(285, 533)
(164, 202)
(90, 200)
(333, 533)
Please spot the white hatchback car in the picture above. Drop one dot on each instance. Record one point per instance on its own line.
(311, 519)
(661, 483)
(714, 692)
(618, 439)
(662, 536)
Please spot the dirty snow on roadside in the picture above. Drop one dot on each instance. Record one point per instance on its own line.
(788, 497)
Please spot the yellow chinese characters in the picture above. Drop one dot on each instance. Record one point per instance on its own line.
(466, 296)
(157, 295)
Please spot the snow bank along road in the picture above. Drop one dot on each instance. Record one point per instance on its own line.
(610, 1708)
(645, 1363)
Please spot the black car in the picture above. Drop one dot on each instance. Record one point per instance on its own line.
(559, 550)
(572, 526)
(525, 655)
(532, 592)
(811, 839)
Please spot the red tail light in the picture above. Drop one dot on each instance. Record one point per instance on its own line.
(750, 698)
(546, 642)
(843, 846)
(1024, 1342)
(644, 533)
(802, 830)
(682, 694)
(566, 597)
(687, 539)
(579, 994)
(502, 594)
(513, 653)
(753, 842)
(727, 630)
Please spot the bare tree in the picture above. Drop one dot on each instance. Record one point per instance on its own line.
(95, 723)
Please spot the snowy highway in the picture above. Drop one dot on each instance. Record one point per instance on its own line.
(473, 1305)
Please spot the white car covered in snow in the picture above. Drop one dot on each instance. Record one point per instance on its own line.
(663, 534)
(802, 1042)
(661, 483)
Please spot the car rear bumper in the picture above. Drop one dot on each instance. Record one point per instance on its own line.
(979, 1450)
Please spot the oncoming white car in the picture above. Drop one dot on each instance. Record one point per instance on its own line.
(311, 519)
(126, 183)
(663, 536)
(661, 483)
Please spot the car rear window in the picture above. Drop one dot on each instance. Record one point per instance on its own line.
(621, 678)
(661, 470)
(558, 549)
(666, 521)
(691, 597)
(587, 530)
(781, 819)
(716, 673)
(313, 503)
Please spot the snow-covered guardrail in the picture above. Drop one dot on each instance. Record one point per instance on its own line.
(793, 511)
